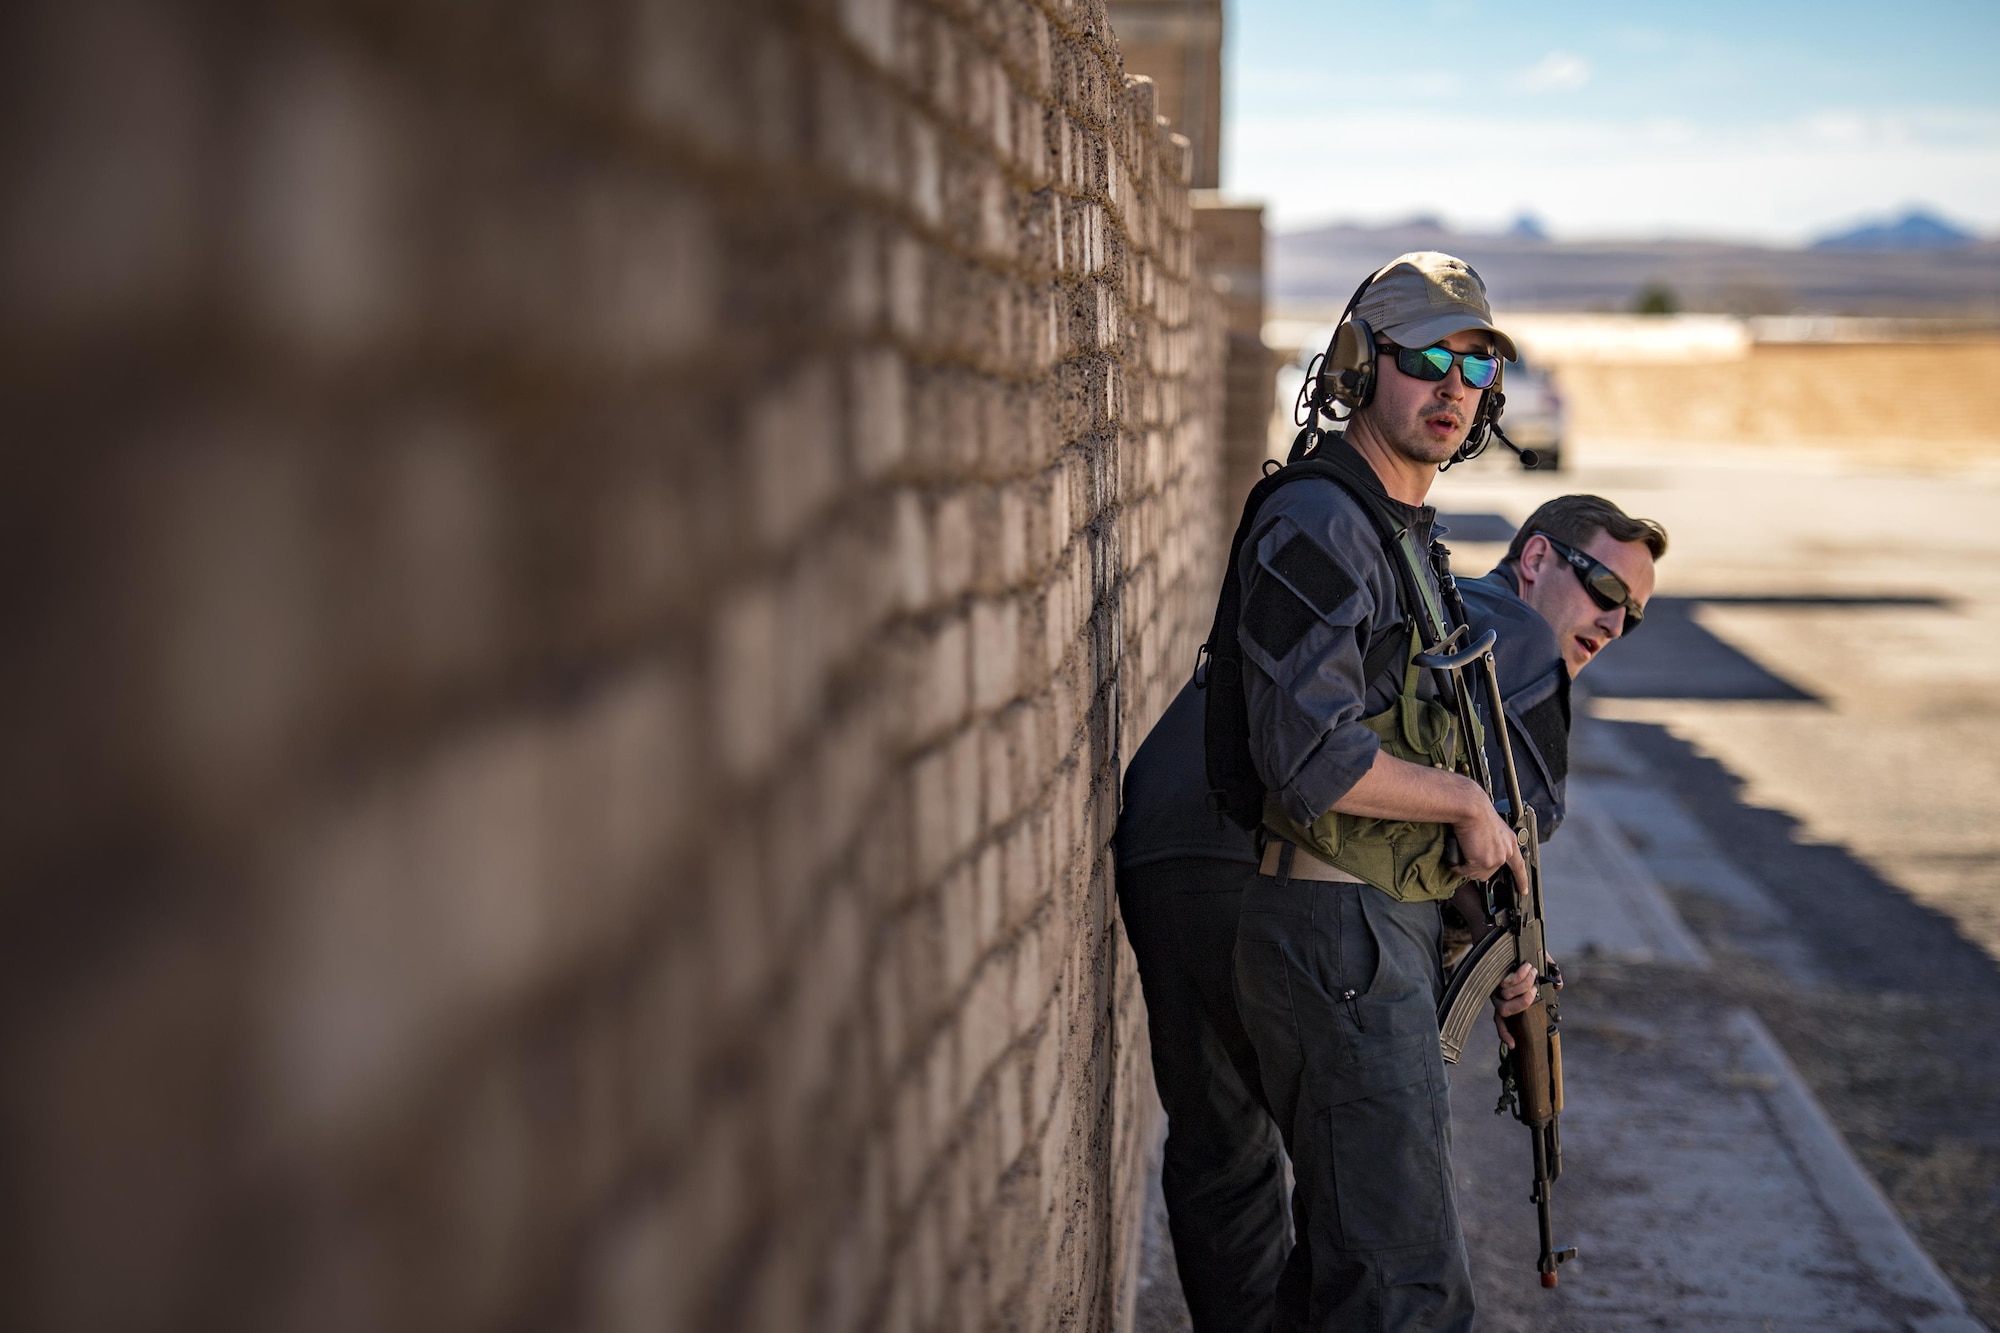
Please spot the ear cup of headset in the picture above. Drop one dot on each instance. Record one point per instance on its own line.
(1350, 365)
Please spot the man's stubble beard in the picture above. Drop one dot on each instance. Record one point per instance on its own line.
(1413, 442)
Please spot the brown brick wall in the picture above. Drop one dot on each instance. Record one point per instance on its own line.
(578, 576)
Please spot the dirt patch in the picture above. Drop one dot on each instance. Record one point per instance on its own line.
(1916, 404)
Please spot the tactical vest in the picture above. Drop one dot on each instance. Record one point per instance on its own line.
(1408, 860)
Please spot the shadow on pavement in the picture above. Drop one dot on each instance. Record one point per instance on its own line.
(1682, 660)
(1866, 933)
(1898, 1041)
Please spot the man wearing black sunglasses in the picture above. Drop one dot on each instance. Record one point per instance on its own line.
(1577, 575)
(1588, 568)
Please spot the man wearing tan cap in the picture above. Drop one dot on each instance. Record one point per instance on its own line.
(1337, 958)
(1182, 870)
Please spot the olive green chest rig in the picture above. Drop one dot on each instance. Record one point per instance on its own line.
(1406, 859)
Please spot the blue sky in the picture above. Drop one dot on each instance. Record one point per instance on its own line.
(1762, 119)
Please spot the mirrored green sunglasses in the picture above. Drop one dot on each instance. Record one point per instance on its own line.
(1434, 363)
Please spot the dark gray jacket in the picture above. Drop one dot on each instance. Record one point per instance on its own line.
(1166, 814)
(1317, 591)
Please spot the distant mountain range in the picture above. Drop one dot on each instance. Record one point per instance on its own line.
(1915, 230)
(1916, 266)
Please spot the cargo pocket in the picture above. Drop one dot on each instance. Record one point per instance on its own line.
(1383, 1159)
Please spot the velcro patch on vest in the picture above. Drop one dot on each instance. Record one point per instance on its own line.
(1547, 725)
(1307, 585)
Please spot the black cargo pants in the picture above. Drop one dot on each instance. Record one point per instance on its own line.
(1338, 987)
(1224, 1170)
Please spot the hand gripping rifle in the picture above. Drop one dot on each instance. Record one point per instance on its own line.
(1533, 1069)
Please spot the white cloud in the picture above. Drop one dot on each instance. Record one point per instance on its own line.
(1558, 72)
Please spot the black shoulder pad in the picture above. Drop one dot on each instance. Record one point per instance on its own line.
(1310, 584)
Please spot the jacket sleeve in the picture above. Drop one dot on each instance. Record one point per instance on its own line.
(1314, 587)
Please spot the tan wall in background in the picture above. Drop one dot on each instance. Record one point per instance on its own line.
(579, 577)
(1178, 45)
(1229, 246)
(1907, 403)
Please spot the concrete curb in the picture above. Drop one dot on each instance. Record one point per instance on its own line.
(1638, 890)
(1845, 1189)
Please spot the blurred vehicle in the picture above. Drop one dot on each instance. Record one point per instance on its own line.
(1533, 418)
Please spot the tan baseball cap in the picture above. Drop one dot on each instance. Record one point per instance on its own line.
(1426, 296)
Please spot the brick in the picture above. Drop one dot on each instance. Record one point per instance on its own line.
(871, 26)
(996, 635)
(1030, 988)
(778, 1303)
(964, 790)
(862, 281)
(879, 397)
(744, 665)
(998, 777)
(670, 1008)
(325, 214)
(945, 681)
(960, 900)
(953, 543)
(618, 797)
(105, 210)
(889, 1008)
(911, 1140)
(992, 905)
(679, 65)
(926, 1268)
(907, 287)
(229, 545)
(1008, 1099)
(793, 455)
(925, 180)
(431, 892)
(986, 1028)
(932, 816)
(912, 552)
(1020, 880)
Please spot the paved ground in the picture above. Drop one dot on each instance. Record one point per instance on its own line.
(1704, 1185)
(1808, 759)
(1803, 762)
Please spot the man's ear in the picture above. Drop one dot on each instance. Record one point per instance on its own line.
(1534, 558)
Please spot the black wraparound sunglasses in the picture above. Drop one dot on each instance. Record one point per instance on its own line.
(1480, 369)
(1605, 588)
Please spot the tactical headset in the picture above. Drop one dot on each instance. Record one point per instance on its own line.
(1344, 376)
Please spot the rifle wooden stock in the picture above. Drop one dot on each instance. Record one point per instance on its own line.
(1530, 1031)
(1555, 1071)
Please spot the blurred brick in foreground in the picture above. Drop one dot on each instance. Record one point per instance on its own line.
(579, 578)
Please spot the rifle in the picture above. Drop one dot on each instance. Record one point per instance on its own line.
(1533, 1069)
